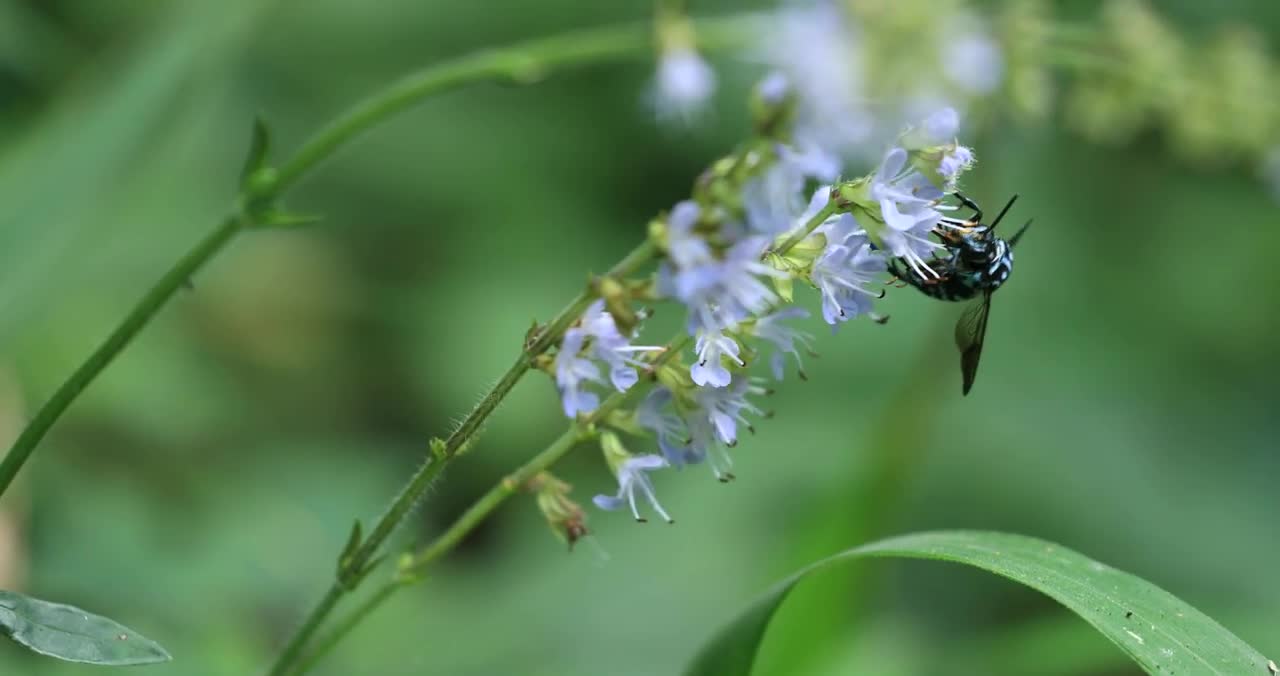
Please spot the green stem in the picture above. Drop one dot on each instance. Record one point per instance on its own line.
(495, 496)
(408, 570)
(309, 627)
(330, 640)
(507, 487)
(356, 565)
(504, 489)
(798, 236)
(176, 278)
(521, 63)
(466, 431)
(449, 539)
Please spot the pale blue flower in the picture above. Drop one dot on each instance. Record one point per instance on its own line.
(774, 201)
(842, 274)
(973, 62)
(784, 338)
(907, 199)
(942, 125)
(724, 408)
(955, 161)
(614, 349)
(671, 431)
(683, 86)
(632, 478)
(812, 160)
(721, 293)
(774, 88)
(575, 362)
(573, 371)
(709, 369)
(686, 248)
(817, 46)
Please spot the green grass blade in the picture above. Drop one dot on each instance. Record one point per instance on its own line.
(1161, 633)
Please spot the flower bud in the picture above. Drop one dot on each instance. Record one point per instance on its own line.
(773, 106)
(565, 517)
(618, 301)
(675, 377)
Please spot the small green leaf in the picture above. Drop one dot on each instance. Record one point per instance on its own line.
(71, 634)
(1158, 631)
(353, 541)
(259, 150)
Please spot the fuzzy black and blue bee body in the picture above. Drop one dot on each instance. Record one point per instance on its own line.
(976, 263)
(974, 266)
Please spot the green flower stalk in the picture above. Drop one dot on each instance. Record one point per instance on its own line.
(775, 215)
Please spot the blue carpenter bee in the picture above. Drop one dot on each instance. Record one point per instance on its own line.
(976, 263)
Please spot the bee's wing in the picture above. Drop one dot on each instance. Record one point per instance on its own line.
(971, 332)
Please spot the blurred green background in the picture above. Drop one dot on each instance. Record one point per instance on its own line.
(200, 490)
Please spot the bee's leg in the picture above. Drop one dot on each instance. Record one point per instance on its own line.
(977, 210)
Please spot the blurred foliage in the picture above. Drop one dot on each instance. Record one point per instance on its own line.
(199, 490)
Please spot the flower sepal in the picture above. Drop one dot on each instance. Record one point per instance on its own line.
(942, 164)
(854, 197)
(795, 262)
(566, 518)
(617, 301)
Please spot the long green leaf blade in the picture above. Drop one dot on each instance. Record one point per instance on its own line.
(69, 633)
(1157, 630)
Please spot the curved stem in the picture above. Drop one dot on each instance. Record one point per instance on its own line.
(176, 278)
(522, 63)
(495, 496)
(504, 489)
(406, 573)
(446, 541)
(355, 566)
(466, 431)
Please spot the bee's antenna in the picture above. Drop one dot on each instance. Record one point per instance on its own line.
(1013, 241)
(1003, 212)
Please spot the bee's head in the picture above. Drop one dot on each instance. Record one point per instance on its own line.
(977, 245)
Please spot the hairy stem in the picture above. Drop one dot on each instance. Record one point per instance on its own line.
(520, 63)
(409, 568)
(487, 503)
(354, 566)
